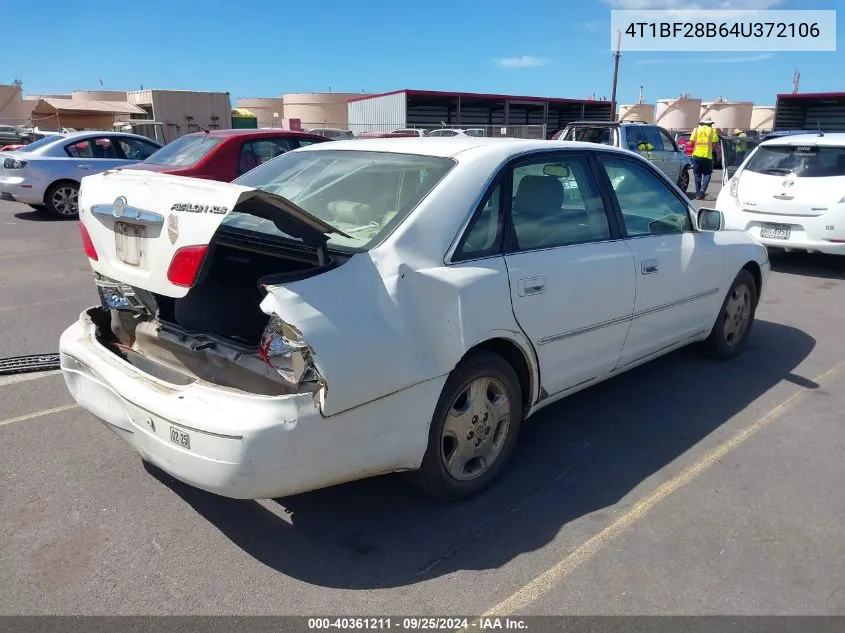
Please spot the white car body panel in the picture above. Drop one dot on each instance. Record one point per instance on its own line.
(578, 333)
(812, 207)
(386, 328)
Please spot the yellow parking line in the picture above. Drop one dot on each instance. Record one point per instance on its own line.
(543, 583)
(38, 414)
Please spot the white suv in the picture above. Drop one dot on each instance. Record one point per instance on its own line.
(790, 193)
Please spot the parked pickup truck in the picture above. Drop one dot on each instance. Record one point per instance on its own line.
(652, 141)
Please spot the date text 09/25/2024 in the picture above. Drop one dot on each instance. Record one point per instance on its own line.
(418, 624)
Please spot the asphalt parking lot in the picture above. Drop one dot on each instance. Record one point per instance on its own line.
(683, 487)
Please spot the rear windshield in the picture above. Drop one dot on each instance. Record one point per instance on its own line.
(39, 143)
(363, 194)
(602, 135)
(807, 161)
(184, 151)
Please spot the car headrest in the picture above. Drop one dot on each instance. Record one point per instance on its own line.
(539, 194)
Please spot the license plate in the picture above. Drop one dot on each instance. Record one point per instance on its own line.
(180, 437)
(775, 231)
(128, 242)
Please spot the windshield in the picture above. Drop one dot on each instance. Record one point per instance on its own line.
(363, 194)
(184, 151)
(39, 143)
(805, 161)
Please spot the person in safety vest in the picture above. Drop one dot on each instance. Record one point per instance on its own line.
(645, 146)
(741, 146)
(703, 140)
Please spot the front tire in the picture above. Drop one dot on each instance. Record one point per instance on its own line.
(474, 428)
(683, 180)
(736, 317)
(62, 199)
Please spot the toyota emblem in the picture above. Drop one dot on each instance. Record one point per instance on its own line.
(119, 207)
(788, 183)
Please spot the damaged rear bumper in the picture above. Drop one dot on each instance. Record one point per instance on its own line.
(238, 444)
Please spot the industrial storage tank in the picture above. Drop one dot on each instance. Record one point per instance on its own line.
(637, 112)
(728, 115)
(270, 111)
(680, 113)
(763, 118)
(319, 109)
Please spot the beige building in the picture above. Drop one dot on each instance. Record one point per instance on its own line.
(319, 109)
(183, 111)
(14, 109)
(313, 109)
(269, 111)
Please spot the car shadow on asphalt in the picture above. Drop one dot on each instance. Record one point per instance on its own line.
(575, 460)
(808, 264)
(39, 216)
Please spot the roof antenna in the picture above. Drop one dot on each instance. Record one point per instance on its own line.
(819, 125)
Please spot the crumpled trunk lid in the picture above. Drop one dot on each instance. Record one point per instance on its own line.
(137, 221)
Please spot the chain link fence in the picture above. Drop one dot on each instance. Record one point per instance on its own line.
(498, 131)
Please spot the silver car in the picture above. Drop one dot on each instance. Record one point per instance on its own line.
(46, 173)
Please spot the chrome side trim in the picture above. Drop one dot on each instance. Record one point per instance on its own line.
(583, 330)
(674, 304)
(130, 214)
(618, 320)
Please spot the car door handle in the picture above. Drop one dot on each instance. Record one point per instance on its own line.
(532, 286)
(84, 167)
(649, 266)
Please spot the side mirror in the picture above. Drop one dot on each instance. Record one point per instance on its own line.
(710, 220)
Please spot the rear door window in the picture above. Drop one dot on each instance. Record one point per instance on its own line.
(807, 161)
(258, 152)
(100, 147)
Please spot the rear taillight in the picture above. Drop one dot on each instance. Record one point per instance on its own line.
(87, 244)
(14, 163)
(186, 265)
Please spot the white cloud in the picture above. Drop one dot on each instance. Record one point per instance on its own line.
(524, 61)
(596, 25)
(687, 5)
(708, 60)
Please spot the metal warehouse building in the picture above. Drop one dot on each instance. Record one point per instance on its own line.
(811, 111)
(498, 115)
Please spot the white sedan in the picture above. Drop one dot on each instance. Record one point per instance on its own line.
(363, 307)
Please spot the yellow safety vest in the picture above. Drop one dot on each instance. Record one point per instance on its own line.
(705, 138)
(645, 147)
(742, 145)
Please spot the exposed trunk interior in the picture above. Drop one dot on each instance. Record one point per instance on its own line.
(213, 333)
(225, 299)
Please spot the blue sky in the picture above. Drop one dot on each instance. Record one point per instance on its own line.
(263, 48)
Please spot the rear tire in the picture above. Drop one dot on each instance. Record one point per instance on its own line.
(62, 199)
(473, 430)
(730, 333)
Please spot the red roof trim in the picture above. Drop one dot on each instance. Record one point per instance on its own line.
(813, 95)
(381, 94)
(475, 95)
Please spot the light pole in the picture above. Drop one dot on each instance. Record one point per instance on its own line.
(616, 57)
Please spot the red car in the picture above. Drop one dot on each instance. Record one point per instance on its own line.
(224, 154)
